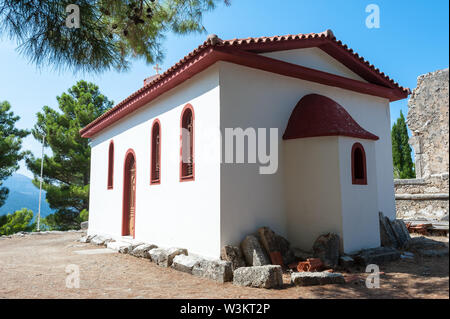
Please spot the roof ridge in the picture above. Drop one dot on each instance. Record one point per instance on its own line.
(214, 41)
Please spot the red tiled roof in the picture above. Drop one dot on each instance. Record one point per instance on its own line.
(316, 115)
(245, 52)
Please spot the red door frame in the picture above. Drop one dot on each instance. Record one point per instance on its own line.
(126, 192)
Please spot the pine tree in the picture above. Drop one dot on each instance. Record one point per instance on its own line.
(401, 150)
(109, 34)
(66, 171)
(10, 146)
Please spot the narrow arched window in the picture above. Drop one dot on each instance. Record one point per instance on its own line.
(111, 165)
(187, 165)
(155, 175)
(359, 171)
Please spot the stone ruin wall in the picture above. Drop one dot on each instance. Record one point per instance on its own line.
(426, 197)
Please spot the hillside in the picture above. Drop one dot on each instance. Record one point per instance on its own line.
(23, 194)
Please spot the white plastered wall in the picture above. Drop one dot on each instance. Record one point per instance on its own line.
(360, 225)
(255, 98)
(312, 189)
(174, 213)
(314, 58)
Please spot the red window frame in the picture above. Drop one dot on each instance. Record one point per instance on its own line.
(184, 167)
(357, 180)
(110, 180)
(155, 157)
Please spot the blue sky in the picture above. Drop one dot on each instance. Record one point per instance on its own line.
(413, 39)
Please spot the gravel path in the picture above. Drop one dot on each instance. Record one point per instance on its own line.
(35, 267)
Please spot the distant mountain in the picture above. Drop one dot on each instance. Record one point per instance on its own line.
(23, 194)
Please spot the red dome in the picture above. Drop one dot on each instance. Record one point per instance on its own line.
(316, 115)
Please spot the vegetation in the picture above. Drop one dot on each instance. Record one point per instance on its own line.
(10, 145)
(66, 171)
(401, 151)
(16, 222)
(110, 31)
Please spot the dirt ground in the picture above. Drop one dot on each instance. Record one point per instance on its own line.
(35, 267)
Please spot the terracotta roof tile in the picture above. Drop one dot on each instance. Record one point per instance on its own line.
(316, 115)
(327, 42)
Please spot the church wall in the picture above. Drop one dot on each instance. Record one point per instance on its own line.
(360, 221)
(312, 190)
(255, 98)
(174, 213)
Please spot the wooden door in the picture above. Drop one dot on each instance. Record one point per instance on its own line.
(129, 195)
(132, 197)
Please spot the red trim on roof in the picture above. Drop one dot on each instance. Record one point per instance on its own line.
(245, 52)
(316, 115)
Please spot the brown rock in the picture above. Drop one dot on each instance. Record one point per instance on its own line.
(254, 252)
(234, 256)
(276, 246)
(326, 247)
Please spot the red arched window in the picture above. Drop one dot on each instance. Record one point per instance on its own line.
(111, 165)
(187, 165)
(155, 172)
(359, 171)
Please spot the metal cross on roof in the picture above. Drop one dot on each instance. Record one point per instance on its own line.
(157, 68)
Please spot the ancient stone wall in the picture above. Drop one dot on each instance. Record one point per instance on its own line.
(426, 197)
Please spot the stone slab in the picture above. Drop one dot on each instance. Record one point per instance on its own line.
(269, 276)
(316, 278)
(217, 270)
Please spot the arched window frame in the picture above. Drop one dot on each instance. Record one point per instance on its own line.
(155, 179)
(110, 177)
(183, 176)
(355, 180)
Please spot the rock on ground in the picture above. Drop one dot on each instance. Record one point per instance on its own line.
(393, 233)
(316, 278)
(269, 276)
(234, 256)
(120, 246)
(326, 247)
(84, 239)
(276, 246)
(387, 236)
(377, 256)
(142, 251)
(218, 270)
(253, 252)
(185, 263)
(164, 256)
(101, 240)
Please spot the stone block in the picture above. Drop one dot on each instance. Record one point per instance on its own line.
(142, 251)
(185, 263)
(164, 256)
(269, 276)
(377, 256)
(234, 256)
(316, 278)
(253, 251)
(121, 247)
(326, 247)
(217, 270)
